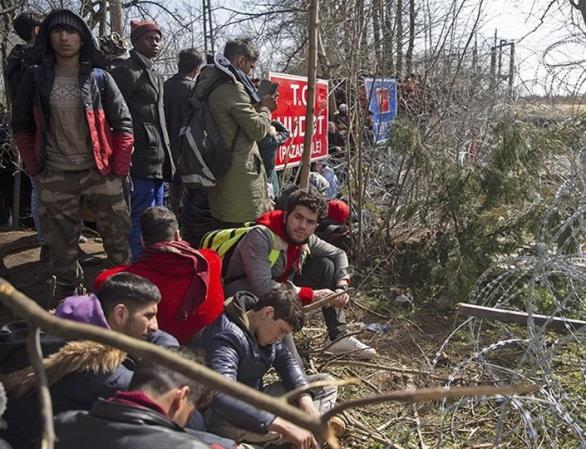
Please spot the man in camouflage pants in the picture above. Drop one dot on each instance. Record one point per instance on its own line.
(74, 133)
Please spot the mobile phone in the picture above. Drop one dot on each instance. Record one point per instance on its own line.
(267, 88)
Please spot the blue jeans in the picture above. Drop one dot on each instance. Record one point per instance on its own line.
(145, 193)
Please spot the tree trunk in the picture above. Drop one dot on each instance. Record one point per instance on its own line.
(311, 76)
(399, 19)
(411, 45)
(116, 19)
(388, 37)
(376, 28)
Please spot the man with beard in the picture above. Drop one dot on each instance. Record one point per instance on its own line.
(316, 268)
(78, 371)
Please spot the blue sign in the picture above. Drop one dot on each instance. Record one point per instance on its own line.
(381, 94)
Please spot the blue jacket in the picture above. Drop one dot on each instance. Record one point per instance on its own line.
(231, 350)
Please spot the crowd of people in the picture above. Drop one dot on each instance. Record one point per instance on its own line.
(223, 271)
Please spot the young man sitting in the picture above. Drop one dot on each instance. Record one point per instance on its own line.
(150, 415)
(79, 371)
(317, 268)
(243, 344)
(189, 279)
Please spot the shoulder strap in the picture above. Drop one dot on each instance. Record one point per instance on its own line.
(100, 78)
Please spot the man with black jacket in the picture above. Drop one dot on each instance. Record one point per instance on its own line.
(243, 344)
(178, 90)
(74, 134)
(142, 87)
(150, 415)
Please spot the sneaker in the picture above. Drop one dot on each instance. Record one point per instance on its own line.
(351, 346)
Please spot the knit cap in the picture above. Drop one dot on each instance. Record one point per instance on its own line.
(140, 27)
(338, 211)
(66, 19)
(83, 309)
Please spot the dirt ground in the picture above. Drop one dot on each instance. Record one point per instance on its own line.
(20, 265)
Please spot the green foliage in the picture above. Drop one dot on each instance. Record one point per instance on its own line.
(468, 215)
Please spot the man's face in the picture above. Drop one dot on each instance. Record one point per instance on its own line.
(247, 65)
(141, 321)
(300, 224)
(65, 41)
(149, 44)
(271, 331)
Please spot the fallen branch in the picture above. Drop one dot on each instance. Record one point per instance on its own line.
(432, 394)
(29, 310)
(512, 316)
(33, 345)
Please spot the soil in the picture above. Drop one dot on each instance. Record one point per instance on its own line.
(20, 265)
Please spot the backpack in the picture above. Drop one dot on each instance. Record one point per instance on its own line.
(204, 158)
(224, 241)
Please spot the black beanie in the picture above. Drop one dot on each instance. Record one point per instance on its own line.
(68, 20)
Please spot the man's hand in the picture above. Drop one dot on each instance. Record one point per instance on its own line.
(268, 101)
(339, 302)
(298, 437)
(306, 404)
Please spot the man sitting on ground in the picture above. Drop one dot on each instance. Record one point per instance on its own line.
(189, 279)
(79, 371)
(317, 268)
(150, 415)
(243, 344)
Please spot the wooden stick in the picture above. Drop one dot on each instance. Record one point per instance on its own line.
(26, 308)
(511, 316)
(432, 394)
(33, 345)
(325, 302)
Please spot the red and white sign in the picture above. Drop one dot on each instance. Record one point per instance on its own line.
(291, 107)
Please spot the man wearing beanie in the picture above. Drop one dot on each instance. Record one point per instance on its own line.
(74, 134)
(142, 87)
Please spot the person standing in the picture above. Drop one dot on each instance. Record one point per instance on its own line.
(74, 134)
(178, 89)
(142, 88)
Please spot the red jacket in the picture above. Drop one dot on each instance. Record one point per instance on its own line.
(107, 117)
(190, 285)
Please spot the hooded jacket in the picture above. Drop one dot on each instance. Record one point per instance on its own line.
(250, 258)
(142, 87)
(78, 371)
(241, 194)
(190, 285)
(122, 425)
(107, 116)
(231, 349)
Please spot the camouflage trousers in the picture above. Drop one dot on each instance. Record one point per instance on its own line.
(61, 194)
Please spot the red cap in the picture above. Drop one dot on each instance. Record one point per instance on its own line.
(139, 27)
(338, 211)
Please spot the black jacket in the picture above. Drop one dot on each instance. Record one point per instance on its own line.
(107, 117)
(79, 372)
(178, 91)
(17, 62)
(142, 88)
(231, 350)
(118, 426)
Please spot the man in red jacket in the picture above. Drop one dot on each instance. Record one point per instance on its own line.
(189, 279)
(74, 134)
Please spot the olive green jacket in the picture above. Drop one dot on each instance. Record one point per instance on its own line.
(241, 195)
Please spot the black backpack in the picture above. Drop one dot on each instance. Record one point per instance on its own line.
(204, 157)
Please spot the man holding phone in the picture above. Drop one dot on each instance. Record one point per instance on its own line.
(243, 120)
